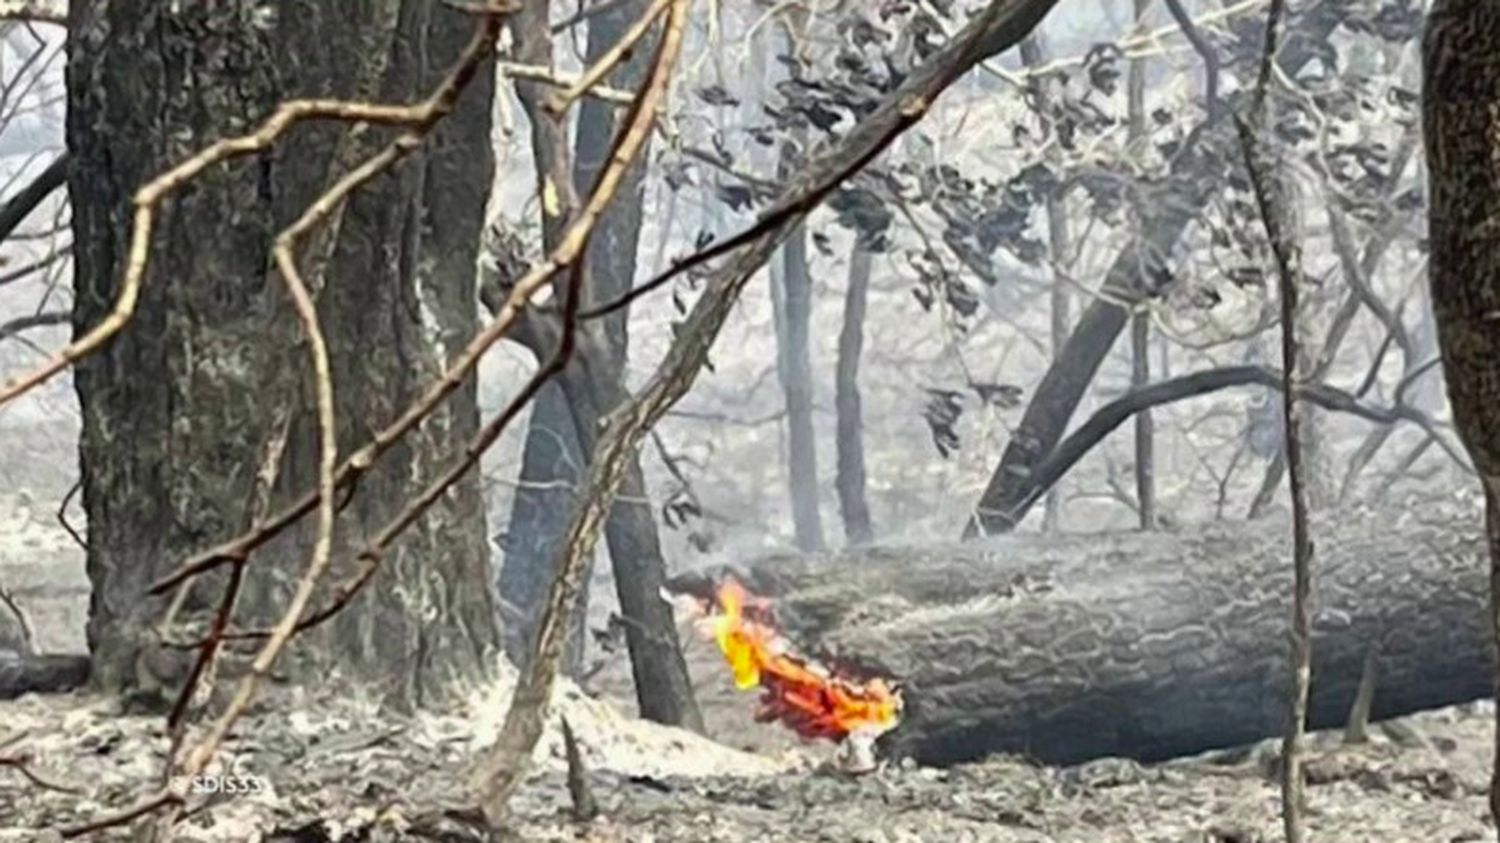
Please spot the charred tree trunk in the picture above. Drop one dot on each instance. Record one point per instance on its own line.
(1144, 646)
(177, 410)
(1460, 104)
(851, 435)
(551, 464)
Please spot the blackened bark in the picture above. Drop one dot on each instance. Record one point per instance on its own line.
(177, 409)
(551, 463)
(1460, 104)
(851, 435)
(1050, 648)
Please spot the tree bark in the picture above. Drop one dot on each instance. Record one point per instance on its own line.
(1460, 104)
(851, 442)
(1053, 648)
(177, 410)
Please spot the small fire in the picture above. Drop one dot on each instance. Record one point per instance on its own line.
(809, 700)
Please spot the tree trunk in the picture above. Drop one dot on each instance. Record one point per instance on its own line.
(1060, 242)
(177, 410)
(1196, 174)
(794, 366)
(851, 435)
(551, 463)
(663, 689)
(1144, 646)
(595, 383)
(1460, 104)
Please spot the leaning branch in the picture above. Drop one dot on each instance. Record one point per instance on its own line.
(509, 758)
(1109, 417)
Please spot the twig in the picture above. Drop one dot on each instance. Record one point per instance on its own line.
(594, 75)
(1267, 192)
(26, 323)
(18, 207)
(22, 765)
(548, 76)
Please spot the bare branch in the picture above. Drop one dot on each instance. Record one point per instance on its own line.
(26, 323)
(999, 25)
(18, 207)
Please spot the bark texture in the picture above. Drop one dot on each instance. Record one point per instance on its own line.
(1461, 124)
(1147, 646)
(178, 410)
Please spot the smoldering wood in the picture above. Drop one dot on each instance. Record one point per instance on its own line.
(1068, 648)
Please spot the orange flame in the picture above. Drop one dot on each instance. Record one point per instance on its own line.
(809, 700)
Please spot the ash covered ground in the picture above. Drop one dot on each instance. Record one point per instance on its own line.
(336, 769)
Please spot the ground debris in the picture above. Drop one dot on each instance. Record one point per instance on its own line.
(338, 771)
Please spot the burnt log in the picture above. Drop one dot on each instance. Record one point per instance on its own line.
(45, 674)
(1148, 646)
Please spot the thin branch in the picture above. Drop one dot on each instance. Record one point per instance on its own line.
(23, 272)
(999, 25)
(26, 323)
(548, 76)
(286, 116)
(1269, 190)
(1109, 417)
(18, 207)
(594, 75)
(22, 764)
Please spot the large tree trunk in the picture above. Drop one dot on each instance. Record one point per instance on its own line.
(1460, 104)
(1147, 646)
(177, 411)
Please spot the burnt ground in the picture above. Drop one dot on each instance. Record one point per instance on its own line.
(336, 771)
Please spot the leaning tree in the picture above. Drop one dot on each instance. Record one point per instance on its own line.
(198, 419)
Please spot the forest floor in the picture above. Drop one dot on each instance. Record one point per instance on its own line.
(336, 769)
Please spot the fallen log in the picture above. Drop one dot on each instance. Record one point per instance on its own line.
(1147, 646)
(46, 674)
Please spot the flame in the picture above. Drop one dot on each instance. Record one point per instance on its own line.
(809, 700)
